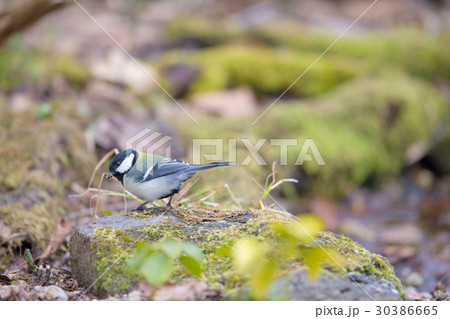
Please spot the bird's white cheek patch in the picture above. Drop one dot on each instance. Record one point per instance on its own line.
(126, 164)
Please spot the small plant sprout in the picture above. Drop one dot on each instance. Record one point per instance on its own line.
(271, 183)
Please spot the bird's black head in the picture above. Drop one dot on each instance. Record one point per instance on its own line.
(122, 163)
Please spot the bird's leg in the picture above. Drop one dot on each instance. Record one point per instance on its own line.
(169, 204)
(140, 207)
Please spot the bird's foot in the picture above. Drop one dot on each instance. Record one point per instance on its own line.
(141, 208)
(169, 203)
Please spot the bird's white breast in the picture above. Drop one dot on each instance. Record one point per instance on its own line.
(151, 190)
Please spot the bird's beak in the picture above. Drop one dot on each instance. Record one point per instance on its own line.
(110, 175)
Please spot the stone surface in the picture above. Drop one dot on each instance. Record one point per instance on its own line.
(82, 255)
(15, 292)
(414, 279)
(329, 287)
(99, 251)
(49, 293)
(21, 291)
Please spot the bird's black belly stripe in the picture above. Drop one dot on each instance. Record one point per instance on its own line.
(172, 192)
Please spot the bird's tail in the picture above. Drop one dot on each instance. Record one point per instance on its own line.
(206, 166)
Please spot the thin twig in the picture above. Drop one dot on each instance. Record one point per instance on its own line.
(233, 198)
(100, 163)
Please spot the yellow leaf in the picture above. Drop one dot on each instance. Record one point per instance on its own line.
(304, 229)
(315, 257)
(247, 253)
(262, 278)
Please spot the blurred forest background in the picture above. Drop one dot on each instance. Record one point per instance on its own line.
(376, 105)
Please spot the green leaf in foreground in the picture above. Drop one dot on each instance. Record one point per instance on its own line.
(157, 268)
(192, 250)
(171, 248)
(155, 262)
(143, 250)
(192, 265)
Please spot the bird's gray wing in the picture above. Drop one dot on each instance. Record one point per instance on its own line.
(165, 167)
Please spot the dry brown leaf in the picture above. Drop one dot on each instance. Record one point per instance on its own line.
(439, 292)
(62, 230)
(414, 296)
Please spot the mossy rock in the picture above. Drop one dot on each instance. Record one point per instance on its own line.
(363, 130)
(416, 51)
(266, 70)
(100, 249)
(200, 30)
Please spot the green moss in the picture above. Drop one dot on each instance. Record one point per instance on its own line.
(413, 50)
(114, 244)
(200, 30)
(211, 230)
(416, 51)
(21, 66)
(111, 243)
(362, 129)
(40, 161)
(363, 135)
(268, 71)
(357, 259)
(71, 70)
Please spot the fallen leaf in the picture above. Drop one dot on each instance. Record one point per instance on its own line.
(439, 292)
(414, 296)
(406, 234)
(146, 289)
(62, 230)
(400, 252)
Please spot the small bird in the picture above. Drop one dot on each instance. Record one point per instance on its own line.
(153, 177)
